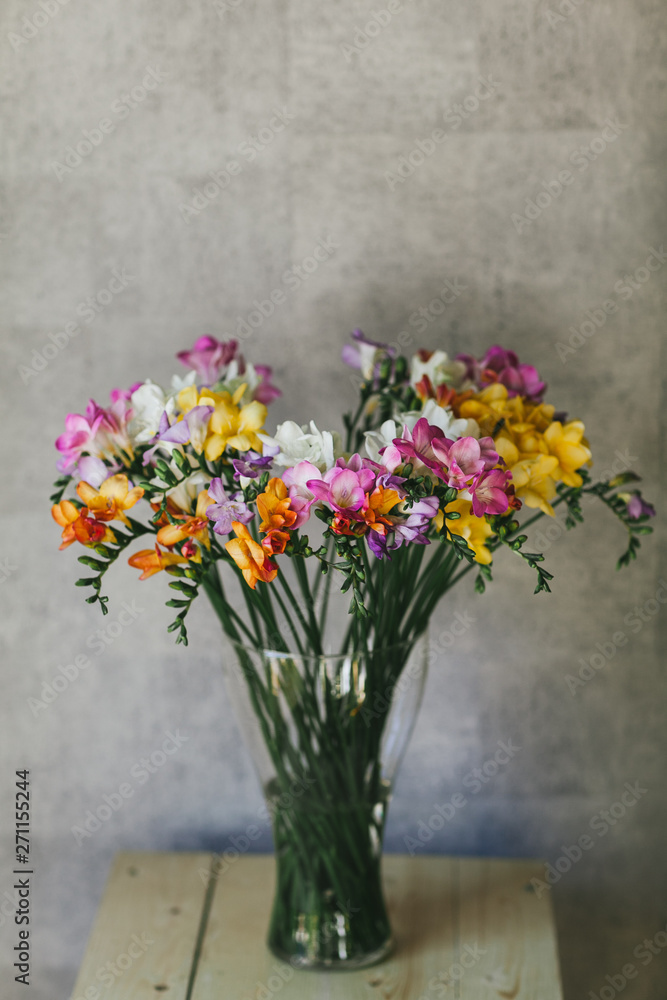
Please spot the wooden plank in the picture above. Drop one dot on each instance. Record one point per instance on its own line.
(508, 930)
(235, 962)
(143, 942)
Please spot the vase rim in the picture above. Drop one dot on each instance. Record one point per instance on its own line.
(275, 654)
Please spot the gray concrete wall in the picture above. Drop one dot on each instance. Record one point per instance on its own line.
(355, 102)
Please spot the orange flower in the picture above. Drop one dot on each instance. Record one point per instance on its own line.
(274, 507)
(113, 498)
(152, 562)
(250, 557)
(78, 526)
(275, 541)
(190, 527)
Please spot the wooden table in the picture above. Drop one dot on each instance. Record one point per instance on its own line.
(466, 929)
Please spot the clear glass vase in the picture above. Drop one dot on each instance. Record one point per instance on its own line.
(326, 734)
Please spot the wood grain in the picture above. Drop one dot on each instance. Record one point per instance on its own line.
(143, 941)
(466, 929)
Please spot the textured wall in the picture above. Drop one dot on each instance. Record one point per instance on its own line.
(538, 86)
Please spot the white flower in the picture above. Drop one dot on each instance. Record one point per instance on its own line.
(442, 417)
(439, 369)
(149, 402)
(376, 440)
(296, 444)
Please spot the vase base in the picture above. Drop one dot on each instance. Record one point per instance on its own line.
(341, 964)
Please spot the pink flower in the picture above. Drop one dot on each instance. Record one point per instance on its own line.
(265, 392)
(417, 447)
(489, 494)
(297, 481)
(501, 365)
(343, 489)
(78, 437)
(209, 357)
(465, 458)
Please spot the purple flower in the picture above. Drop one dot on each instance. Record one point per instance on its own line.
(501, 365)
(192, 428)
(367, 354)
(638, 507)
(226, 508)
(251, 464)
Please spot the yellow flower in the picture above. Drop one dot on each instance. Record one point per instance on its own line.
(113, 498)
(189, 527)
(250, 557)
(230, 425)
(475, 530)
(488, 408)
(535, 481)
(568, 444)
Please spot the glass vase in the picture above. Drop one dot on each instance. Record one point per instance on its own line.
(326, 734)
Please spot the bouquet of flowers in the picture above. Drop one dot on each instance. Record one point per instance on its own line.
(437, 464)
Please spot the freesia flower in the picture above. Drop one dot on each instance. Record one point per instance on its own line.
(113, 498)
(404, 529)
(438, 368)
(533, 480)
(489, 492)
(462, 460)
(250, 557)
(300, 444)
(343, 489)
(301, 497)
(274, 507)
(78, 438)
(502, 366)
(226, 509)
(638, 507)
(92, 470)
(209, 358)
(194, 526)
(567, 443)
(153, 561)
(416, 447)
(191, 429)
(366, 354)
(79, 526)
(475, 530)
(251, 464)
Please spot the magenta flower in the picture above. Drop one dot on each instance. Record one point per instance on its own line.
(464, 459)
(297, 481)
(417, 447)
(78, 437)
(265, 392)
(226, 508)
(489, 494)
(501, 365)
(638, 507)
(209, 358)
(343, 489)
